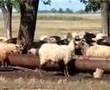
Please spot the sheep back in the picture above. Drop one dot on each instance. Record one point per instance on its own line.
(54, 52)
(98, 51)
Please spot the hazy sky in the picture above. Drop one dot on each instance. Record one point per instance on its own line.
(72, 4)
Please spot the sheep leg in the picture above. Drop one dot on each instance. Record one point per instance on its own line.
(66, 72)
(5, 64)
(38, 70)
(2, 64)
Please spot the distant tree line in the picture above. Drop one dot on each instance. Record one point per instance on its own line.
(60, 10)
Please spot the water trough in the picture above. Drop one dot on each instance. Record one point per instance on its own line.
(81, 63)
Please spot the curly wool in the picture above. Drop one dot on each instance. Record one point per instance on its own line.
(56, 52)
(6, 49)
(98, 51)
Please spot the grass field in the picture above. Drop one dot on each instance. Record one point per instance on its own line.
(56, 24)
(60, 24)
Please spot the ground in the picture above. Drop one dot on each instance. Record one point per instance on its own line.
(54, 24)
(30, 80)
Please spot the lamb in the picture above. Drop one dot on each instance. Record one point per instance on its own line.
(5, 50)
(57, 53)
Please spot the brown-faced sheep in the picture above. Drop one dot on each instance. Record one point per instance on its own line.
(6, 49)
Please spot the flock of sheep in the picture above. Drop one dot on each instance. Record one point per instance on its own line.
(57, 49)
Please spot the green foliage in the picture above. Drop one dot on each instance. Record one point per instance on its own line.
(47, 2)
(53, 10)
(92, 5)
(14, 3)
(2, 2)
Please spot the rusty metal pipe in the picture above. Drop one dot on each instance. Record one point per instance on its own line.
(81, 64)
(27, 61)
(31, 62)
(90, 64)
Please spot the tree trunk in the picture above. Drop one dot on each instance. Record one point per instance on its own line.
(106, 17)
(9, 21)
(28, 10)
(7, 16)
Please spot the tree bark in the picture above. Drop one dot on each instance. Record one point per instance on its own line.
(106, 17)
(7, 16)
(28, 10)
(9, 21)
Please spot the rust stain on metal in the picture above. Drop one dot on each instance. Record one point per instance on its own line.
(80, 63)
(28, 61)
(31, 62)
(91, 63)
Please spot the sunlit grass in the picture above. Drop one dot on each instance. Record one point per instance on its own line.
(59, 24)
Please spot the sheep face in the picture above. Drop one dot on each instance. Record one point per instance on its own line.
(80, 47)
(77, 42)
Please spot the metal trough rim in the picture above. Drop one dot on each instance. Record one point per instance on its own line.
(85, 63)
(82, 63)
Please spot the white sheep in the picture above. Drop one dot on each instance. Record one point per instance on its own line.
(98, 51)
(56, 53)
(100, 36)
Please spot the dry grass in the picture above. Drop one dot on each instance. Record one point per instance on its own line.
(63, 24)
(60, 84)
(59, 27)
